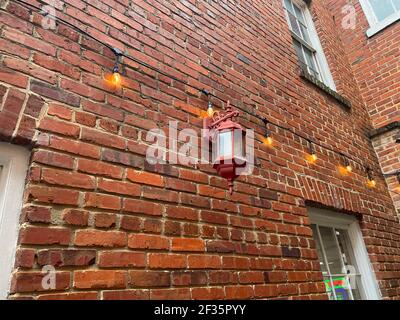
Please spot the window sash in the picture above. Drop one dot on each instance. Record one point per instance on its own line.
(327, 274)
(394, 6)
(299, 29)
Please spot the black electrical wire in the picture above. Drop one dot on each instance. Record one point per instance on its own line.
(146, 65)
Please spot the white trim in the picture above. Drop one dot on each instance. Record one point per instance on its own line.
(321, 61)
(321, 58)
(374, 24)
(14, 160)
(350, 223)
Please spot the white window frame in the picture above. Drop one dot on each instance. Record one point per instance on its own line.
(14, 162)
(331, 219)
(374, 24)
(321, 61)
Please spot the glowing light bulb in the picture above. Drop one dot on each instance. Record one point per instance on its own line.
(210, 111)
(116, 78)
(349, 168)
(314, 157)
(268, 141)
(371, 183)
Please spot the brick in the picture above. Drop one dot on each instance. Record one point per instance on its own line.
(100, 279)
(140, 206)
(143, 241)
(24, 258)
(90, 238)
(45, 90)
(66, 257)
(118, 187)
(34, 106)
(189, 278)
(149, 279)
(53, 159)
(239, 292)
(32, 282)
(37, 214)
(102, 138)
(105, 220)
(208, 293)
(75, 217)
(204, 262)
(145, 178)
(186, 244)
(75, 147)
(63, 128)
(124, 158)
(166, 261)
(131, 223)
(53, 195)
(67, 178)
(122, 259)
(99, 168)
(44, 236)
(182, 213)
(60, 112)
(102, 201)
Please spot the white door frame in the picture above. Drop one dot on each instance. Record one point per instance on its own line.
(350, 223)
(14, 161)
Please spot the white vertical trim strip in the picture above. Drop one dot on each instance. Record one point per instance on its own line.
(12, 184)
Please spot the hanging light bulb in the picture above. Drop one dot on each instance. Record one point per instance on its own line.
(312, 156)
(371, 183)
(267, 139)
(348, 166)
(210, 110)
(116, 76)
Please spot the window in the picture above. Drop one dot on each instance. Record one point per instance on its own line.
(13, 168)
(380, 14)
(342, 256)
(306, 42)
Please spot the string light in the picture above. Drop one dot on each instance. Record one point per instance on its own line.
(267, 139)
(311, 157)
(348, 166)
(116, 76)
(371, 183)
(116, 79)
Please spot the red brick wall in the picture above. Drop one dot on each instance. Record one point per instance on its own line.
(375, 63)
(115, 226)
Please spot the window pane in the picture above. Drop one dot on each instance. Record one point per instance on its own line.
(294, 25)
(331, 250)
(225, 144)
(382, 8)
(349, 261)
(300, 54)
(298, 14)
(311, 62)
(288, 6)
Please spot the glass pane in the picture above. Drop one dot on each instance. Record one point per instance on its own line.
(396, 4)
(382, 8)
(311, 62)
(294, 24)
(225, 144)
(319, 251)
(331, 250)
(300, 54)
(239, 143)
(288, 6)
(298, 14)
(354, 278)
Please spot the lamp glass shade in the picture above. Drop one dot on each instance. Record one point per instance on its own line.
(225, 144)
(239, 143)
